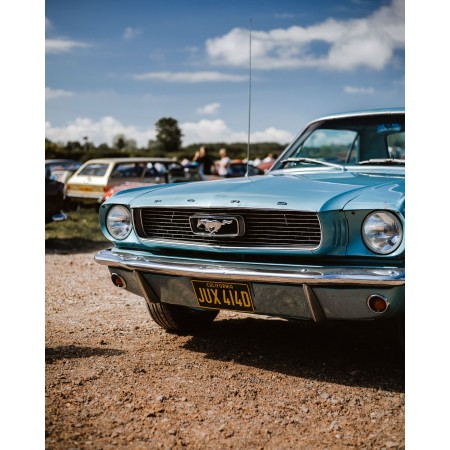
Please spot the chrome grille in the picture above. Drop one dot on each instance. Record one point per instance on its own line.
(263, 228)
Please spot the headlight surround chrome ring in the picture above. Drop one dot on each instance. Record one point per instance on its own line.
(382, 232)
(118, 222)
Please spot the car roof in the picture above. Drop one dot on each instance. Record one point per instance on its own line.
(58, 161)
(126, 159)
(361, 113)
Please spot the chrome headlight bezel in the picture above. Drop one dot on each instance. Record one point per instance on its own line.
(118, 222)
(382, 232)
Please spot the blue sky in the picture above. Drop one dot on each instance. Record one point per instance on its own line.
(117, 67)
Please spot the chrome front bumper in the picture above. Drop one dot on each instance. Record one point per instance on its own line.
(309, 292)
(252, 272)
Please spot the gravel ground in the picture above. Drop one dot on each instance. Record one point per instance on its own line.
(114, 379)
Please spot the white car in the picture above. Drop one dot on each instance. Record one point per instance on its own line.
(96, 176)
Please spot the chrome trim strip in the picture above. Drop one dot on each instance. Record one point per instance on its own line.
(228, 247)
(252, 272)
(232, 210)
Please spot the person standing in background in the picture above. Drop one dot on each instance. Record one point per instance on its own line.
(204, 161)
(224, 163)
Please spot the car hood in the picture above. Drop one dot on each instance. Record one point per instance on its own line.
(313, 191)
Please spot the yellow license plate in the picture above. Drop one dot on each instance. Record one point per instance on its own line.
(223, 295)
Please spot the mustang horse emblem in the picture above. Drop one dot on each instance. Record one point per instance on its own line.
(212, 226)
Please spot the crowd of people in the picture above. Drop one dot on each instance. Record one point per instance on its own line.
(208, 167)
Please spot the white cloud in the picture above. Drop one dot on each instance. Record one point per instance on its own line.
(211, 108)
(218, 131)
(367, 42)
(131, 33)
(106, 128)
(48, 24)
(98, 132)
(62, 45)
(359, 90)
(56, 93)
(190, 77)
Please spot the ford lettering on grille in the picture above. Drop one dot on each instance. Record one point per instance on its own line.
(224, 226)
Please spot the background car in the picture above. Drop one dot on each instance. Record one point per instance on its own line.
(122, 187)
(97, 176)
(62, 169)
(177, 174)
(237, 169)
(266, 166)
(320, 237)
(54, 198)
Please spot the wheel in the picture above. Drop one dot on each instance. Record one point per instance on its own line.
(179, 318)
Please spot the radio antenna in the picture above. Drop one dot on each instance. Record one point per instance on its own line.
(249, 95)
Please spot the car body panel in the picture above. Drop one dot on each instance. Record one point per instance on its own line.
(320, 191)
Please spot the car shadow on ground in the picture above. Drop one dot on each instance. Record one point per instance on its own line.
(73, 351)
(74, 245)
(364, 354)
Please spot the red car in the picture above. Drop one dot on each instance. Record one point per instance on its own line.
(121, 187)
(176, 174)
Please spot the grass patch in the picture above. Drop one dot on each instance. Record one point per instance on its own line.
(79, 224)
(80, 231)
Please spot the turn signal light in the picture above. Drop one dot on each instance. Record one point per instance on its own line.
(118, 280)
(377, 303)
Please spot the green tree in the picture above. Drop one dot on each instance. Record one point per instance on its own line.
(168, 134)
(119, 142)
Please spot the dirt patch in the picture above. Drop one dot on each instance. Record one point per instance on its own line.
(114, 379)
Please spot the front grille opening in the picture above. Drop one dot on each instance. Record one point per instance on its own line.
(263, 228)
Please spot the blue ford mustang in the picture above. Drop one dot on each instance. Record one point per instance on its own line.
(319, 237)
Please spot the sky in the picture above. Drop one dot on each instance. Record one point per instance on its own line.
(114, 67)
(75, 68)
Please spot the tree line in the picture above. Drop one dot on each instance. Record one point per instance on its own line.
(168, 142)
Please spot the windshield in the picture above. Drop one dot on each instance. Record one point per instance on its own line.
(94, 170)
(377, 139)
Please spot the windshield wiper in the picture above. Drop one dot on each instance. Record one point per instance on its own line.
(383, 161)
(312, 161)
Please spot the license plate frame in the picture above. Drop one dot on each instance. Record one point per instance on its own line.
(223, 295)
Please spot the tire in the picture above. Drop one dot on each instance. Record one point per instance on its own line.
(180, 319)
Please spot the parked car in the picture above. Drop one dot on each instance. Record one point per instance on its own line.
(62, 169)
(237, 169)
(96, 176)
(266, 166)
(319, 237)
(122, 187)
(54, 198)
(177, 174)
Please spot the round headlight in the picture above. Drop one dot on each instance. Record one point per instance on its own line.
(382, 232)
(118, 222)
